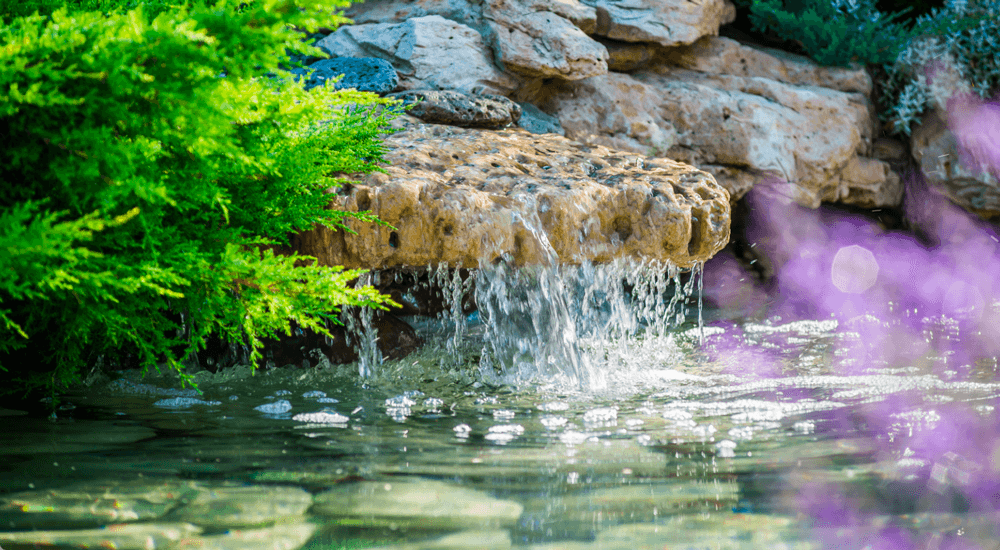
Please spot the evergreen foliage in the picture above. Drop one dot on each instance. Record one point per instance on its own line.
(833, 32)
(149, 165)
(954, 49)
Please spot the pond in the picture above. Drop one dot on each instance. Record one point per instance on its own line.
(579, 408)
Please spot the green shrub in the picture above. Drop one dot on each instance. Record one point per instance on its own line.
(832, 32)
(953, 49)
(141, 190)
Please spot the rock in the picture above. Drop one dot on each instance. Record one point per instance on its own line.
(537, 121)
(624, 57)
(542, 43)
(535, 38)
(726, 123)
(465, 196)
(305, 348)
(665, 22)
(721, 55)
(279, 537)
(457, 109)
(365, 74)
(936, 151)
(36, 436)
(243, 506)
(424, 503)
(93, 504)
(492, 539)
(889, 149)
(427, 52)
(140, 536)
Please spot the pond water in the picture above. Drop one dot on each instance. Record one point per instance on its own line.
(579, 408)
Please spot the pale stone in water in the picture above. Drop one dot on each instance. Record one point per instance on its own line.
(421, 503)
(35, 436)
(92, 504)
(242, 506)
(279, 537)
(464, 196)
(494, 539)
(137, 536)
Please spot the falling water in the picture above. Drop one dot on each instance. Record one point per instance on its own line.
(362, 332)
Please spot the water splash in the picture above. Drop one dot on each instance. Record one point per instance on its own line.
(576, 325)
(363, 335)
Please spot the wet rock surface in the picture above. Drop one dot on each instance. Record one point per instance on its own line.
(416, 502)
(240, 506)
(93, 504)
(140, 536)
(465, 196)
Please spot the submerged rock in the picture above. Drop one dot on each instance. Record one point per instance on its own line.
(135, 536)
(279, 537)
(242, 506)
(493, 539)
(465, 196)
(93, 504)
(423, 503)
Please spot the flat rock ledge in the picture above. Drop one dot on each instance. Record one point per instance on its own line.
(466, 196)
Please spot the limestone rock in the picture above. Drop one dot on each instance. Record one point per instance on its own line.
(427, 52)
(535, 38)
(721, 55)
(936, 151)
(425, 503)
(542, 43)
(729, 122)
(366, 74)
(624, 57)
(457, 109)
(466, 196)
(665, 22)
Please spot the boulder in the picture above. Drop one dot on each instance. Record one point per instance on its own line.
(738, 126)
(665, 22)
(366, 74)
(428, 52)
(946, 169)
(457, 109)
(542, 43)
(534, 38)
(466, 196)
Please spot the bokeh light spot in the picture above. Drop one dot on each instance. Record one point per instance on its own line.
(854, 269)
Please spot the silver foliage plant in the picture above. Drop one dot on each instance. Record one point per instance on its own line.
(954, 50)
